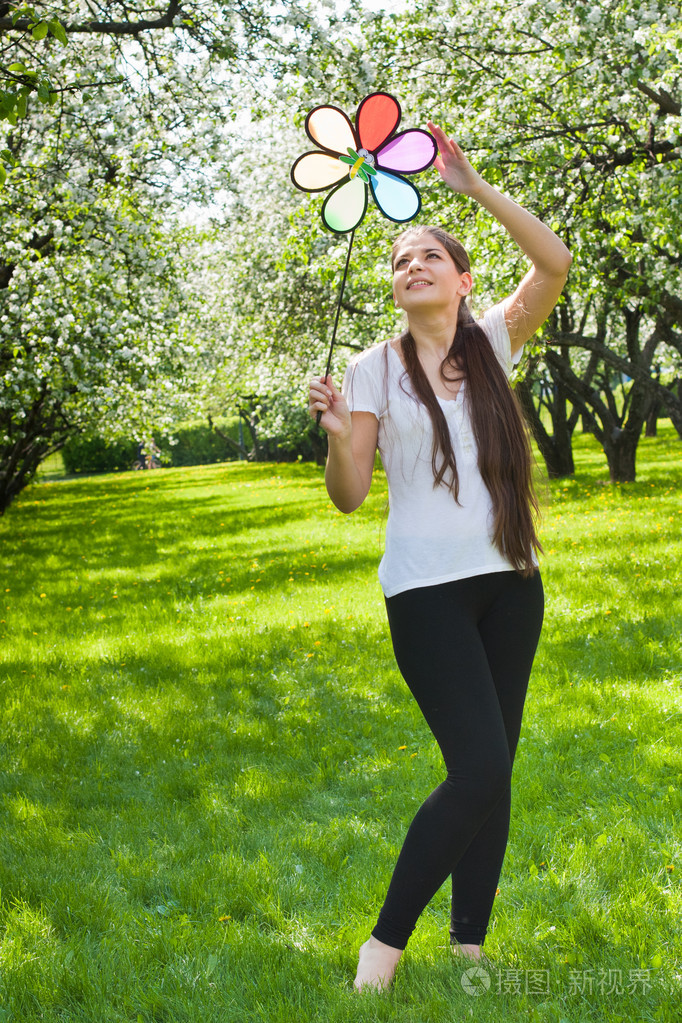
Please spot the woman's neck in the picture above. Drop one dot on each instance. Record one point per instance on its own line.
(433, 333)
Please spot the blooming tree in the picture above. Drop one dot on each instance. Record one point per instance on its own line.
(160, 110)
(103, 319)
(574, 109)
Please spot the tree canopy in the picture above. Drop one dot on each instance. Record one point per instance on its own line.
(574, 110)
(155, 259)
(101, 318)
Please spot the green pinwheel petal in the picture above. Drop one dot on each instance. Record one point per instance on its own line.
(345, 206)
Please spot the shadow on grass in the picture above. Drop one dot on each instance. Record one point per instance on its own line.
(252, 783)
(261, 786)
(252, 732)
(161, 536)
(98, 487)
(159, 731)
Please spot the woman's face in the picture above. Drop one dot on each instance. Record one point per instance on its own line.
(425, 276)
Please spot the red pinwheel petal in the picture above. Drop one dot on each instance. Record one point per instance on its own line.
(408, 152)
(377, 118)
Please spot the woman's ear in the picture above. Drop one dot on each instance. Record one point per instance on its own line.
(466, 283)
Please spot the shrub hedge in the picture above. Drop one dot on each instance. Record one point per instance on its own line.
(88, 452)
(192, 444)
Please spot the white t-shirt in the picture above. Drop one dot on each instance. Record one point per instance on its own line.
(430, 538)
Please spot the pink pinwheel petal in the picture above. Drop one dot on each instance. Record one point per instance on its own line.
(314, 172)
(409, 152)
(378, 117)
(330, 129)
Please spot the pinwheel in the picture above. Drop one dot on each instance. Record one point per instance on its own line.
(371, 153)
(374, 156)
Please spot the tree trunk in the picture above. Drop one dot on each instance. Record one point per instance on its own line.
(620, 445)
(558, 457)
(673, 408)
(621, 452)
(43, 431)
(20, 464)
(556, 449)
(250, 419)
(618, 431)
(239, 448)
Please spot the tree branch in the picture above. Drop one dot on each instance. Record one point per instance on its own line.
(640, 373)
(666, 103)
(114, 28)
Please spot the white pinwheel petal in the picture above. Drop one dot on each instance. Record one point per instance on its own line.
(345, 207)
(330, 129)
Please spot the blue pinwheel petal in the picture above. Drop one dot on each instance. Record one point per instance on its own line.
(396, 197)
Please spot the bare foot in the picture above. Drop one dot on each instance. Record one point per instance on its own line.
(377, 964)
(468, 951)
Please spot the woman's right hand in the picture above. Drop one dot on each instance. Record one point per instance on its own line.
(327, 399)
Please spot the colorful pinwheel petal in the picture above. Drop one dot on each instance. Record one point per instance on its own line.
(371, 153)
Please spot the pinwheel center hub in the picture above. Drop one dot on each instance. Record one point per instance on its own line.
(362, 164)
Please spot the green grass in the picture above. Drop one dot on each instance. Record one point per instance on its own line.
(204, 789)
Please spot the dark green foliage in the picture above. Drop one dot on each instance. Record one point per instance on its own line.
(191, 444)
(197, 444)
(89, 452)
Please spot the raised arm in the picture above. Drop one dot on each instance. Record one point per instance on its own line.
(537, 294)
(352, 445)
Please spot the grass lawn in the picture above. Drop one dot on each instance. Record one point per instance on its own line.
(210, 760)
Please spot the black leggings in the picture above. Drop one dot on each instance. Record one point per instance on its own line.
(465, 649)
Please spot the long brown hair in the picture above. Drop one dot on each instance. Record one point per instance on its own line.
(504, 454)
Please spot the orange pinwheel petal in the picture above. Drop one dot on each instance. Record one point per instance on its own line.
(314, 172)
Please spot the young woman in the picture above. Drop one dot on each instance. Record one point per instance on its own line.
(459, 574)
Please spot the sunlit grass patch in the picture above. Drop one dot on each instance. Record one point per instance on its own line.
(210, 759)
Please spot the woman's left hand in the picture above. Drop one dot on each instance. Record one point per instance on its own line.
(452, 164)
